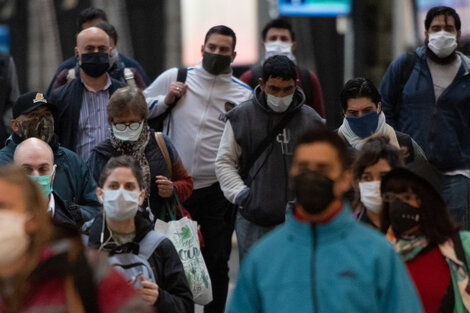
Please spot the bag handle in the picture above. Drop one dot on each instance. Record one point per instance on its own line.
(161, 144)
(167, 208)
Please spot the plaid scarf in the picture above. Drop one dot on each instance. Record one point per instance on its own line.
(136, 150)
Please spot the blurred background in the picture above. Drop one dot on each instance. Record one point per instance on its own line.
(339, 39)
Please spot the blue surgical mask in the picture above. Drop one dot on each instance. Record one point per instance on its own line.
(44, 182)
(365, 125)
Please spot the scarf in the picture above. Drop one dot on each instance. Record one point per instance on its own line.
(136, 150)
(382, 129)
(458, 270)
(409, 248)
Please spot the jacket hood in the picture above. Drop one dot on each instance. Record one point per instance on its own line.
(142, 227)
(259, 97)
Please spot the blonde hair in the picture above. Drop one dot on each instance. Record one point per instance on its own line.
(36, 206)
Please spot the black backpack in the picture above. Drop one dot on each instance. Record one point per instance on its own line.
(156, 123)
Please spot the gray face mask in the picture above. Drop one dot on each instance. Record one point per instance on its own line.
(215, 63)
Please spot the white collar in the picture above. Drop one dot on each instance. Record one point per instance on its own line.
(51, 207)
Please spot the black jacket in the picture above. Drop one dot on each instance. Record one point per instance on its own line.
(175, 295)
(68, 102)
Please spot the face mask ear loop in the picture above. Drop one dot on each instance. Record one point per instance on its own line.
(102, 244)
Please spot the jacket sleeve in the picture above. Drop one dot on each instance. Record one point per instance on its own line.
(174, 293)
(390, 90)
(318, 103)
(155, 94)
(246, 295)
(89, 205)
(396, 291)
(246, 78)
(226, 165)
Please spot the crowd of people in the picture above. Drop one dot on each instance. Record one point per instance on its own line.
(369, 217)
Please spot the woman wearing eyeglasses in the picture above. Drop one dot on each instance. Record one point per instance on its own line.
(435, 252)
(130, 135)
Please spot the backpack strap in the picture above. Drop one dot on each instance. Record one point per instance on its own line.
(71, 74)
(306, 81)
(405, 73)
(458, 247)
(180, 77)
(129, 76)
(149, 243)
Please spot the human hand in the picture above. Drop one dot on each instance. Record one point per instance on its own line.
(149, 291)
(176, 90)
(165, 186)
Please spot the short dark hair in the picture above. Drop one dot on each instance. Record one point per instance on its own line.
(357, 88)
(320, 133)
(376, 148)
(108, 29)
(90, 14)
(279, 66)
(278, 23)
(435, 222)
(441, 10)
(122, 161)
(221, 30)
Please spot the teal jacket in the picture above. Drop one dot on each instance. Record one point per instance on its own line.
(72, 181)
(341, 266)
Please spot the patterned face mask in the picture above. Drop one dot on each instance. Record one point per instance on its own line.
(42, 128)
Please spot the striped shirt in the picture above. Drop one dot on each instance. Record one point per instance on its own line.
(93, 125)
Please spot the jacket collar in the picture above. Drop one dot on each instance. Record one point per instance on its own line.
(335, 229)
(226, 77)
(421, 52)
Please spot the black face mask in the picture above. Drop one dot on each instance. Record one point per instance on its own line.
(215, 63)
(42, 128)
(95, 64)
(403, 217)
(313, 191)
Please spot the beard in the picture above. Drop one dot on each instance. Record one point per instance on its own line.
(443, 61)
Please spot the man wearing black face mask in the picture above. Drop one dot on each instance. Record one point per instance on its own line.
(81, 121)
(321, 259)
(195, 126)
(33, 116)
(426, 96)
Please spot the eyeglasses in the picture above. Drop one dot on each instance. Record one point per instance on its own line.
(123, 126)
(405, 196)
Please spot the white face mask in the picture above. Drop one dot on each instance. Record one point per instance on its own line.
(13, 238)
(370, 195)
(279, 104)
(120, 204)
(442, 43)
(278, 48)
(127, 134)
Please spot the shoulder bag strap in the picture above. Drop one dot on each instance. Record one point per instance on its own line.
(265, 143)
(164, 150)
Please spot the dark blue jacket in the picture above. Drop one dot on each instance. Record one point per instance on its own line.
(72, 61)
(441, 128)
(72, 182)
(68, 102)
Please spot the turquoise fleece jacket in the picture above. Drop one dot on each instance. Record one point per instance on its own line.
(341, 266)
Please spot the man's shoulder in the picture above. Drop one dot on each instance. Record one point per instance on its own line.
(6, 153)
(240, 84)
(67, 64)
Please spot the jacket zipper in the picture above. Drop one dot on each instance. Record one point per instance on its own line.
(312, 269)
